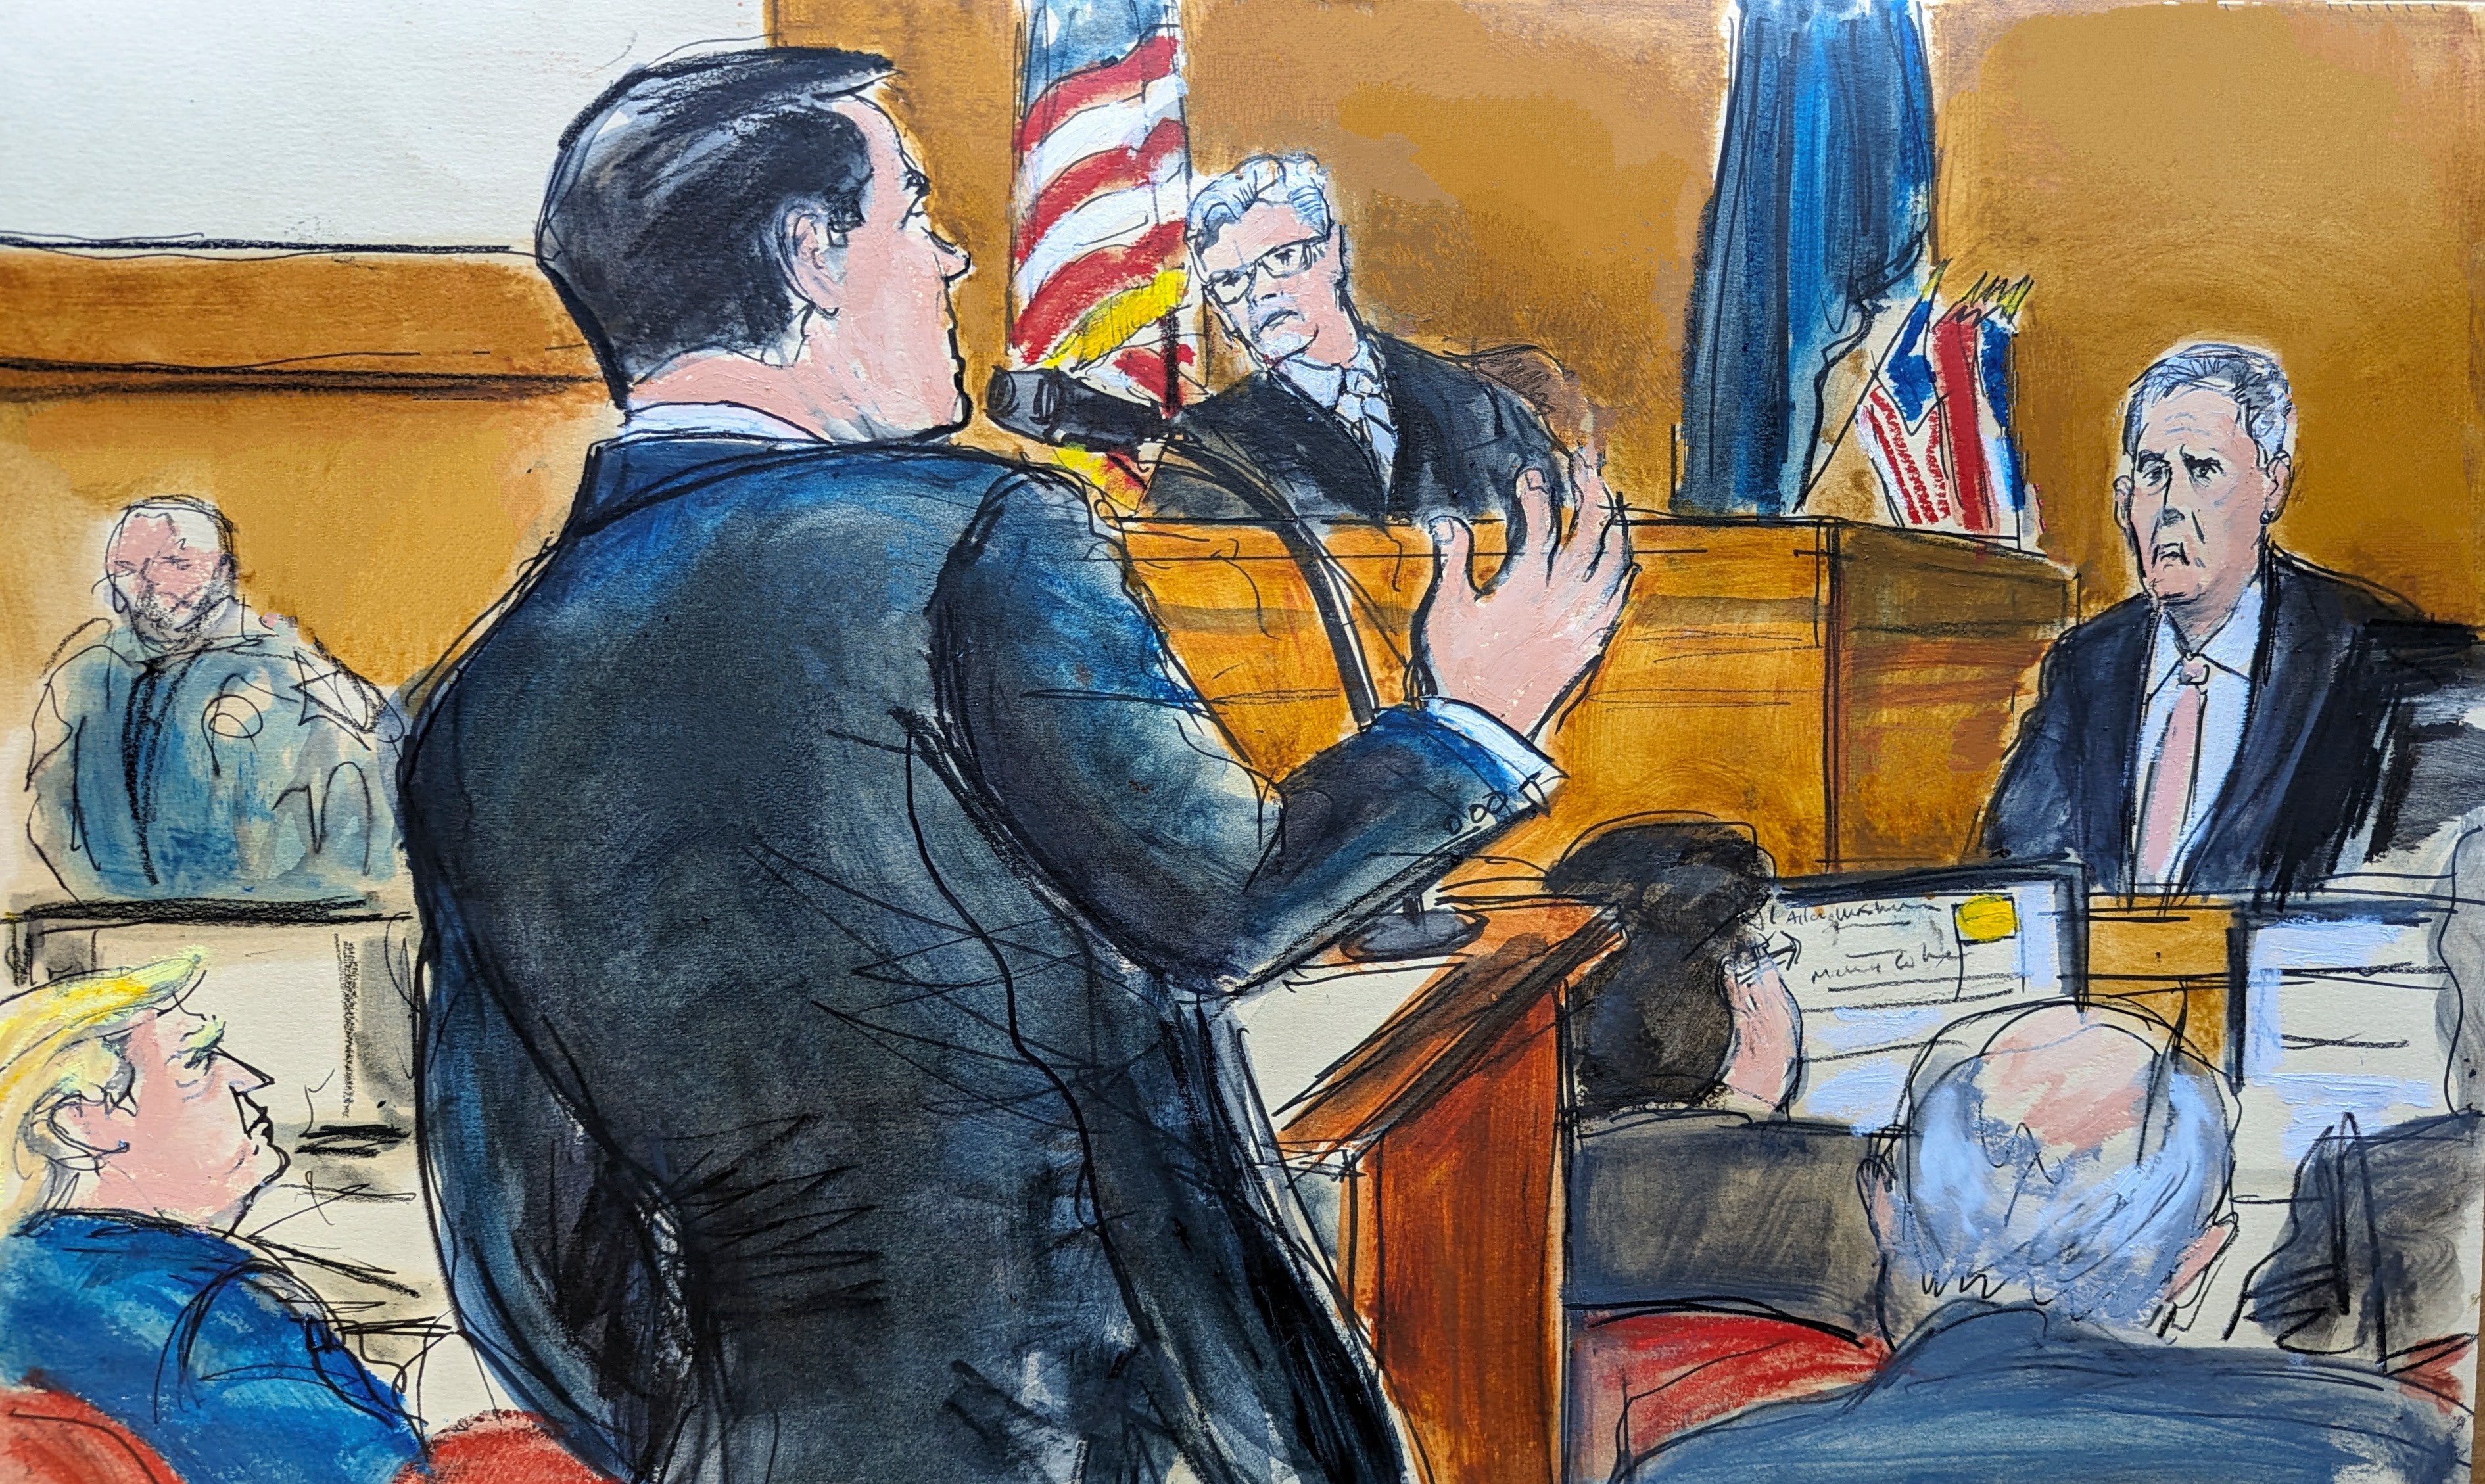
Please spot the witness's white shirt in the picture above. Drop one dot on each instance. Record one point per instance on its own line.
(2230, 652)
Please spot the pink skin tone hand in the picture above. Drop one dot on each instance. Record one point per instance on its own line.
(1768, 1038)
(1515, 649)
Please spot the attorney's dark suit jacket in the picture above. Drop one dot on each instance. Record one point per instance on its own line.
(833, 898)
(1463, 439)
(2332, 678)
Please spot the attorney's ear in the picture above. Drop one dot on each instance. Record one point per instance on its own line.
(814, 252)
(2123, 500)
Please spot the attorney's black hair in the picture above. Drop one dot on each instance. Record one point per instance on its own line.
(663, 228)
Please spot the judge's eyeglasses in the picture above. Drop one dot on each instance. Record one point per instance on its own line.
(1283, 261)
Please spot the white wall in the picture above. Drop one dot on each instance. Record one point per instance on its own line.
(428, 121)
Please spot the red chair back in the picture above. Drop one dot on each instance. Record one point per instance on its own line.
(53, 1438)
(500, 1448)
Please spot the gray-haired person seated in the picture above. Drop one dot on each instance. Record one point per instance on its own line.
(2061, 1182)
(2228, 729)
(1337, 421)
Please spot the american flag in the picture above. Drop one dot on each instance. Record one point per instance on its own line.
(1097, 281)
(1936, 417)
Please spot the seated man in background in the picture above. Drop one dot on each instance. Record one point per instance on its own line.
(198, 748)
(2225, 731)
(129, 1148)
(2376, 1262)
(1335, 421)
(2066, 1179)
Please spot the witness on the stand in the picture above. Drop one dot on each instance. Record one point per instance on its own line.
(2227, 730)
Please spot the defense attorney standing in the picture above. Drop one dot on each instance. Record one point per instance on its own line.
(833, 889)
(2228, 730)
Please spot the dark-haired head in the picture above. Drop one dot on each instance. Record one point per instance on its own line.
(664, 226)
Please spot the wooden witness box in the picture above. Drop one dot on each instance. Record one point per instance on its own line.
(1846, 689)
(2180, 961)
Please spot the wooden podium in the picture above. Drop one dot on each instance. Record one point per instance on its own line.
(1846, 689)
(1446, 1126)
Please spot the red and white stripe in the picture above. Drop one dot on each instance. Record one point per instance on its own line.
(1102, 184)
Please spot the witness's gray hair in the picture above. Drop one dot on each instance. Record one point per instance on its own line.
(2098, 1233)
(2248, 374)
(1296, 181)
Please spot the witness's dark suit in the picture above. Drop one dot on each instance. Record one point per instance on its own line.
(2329, 683)
(832, 895)
(1463, 439)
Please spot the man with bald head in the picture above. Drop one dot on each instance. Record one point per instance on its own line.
(2060, 1183)
(197, 748)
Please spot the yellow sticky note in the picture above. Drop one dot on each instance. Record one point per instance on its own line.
(1985, 919)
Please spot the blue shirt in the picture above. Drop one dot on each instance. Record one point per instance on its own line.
(213, 1356)
(249, 763)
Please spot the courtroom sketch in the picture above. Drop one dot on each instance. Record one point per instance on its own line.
(1182, 739)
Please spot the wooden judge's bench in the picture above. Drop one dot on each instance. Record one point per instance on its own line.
(1845, 689)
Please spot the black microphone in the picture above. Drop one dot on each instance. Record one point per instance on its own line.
(1054, 407)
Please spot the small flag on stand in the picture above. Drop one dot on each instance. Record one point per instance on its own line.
(1097, 285)
(1936, 417)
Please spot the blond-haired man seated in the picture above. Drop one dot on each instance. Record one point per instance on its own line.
(130, 1146)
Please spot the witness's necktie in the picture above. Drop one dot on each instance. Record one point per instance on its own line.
(1361, 407)
(2170, 778)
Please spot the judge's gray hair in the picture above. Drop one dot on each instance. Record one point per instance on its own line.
(2246, 373)
(1296, 181)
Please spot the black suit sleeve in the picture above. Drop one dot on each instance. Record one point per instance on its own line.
(2035, 811)
(1181, 488)
(1109, 769)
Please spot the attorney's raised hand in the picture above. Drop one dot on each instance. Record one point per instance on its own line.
(1516, 648)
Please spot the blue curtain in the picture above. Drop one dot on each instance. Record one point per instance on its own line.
(1824, 190)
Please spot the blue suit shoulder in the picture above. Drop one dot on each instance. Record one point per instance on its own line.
(1979, 1392)
(214, 1355)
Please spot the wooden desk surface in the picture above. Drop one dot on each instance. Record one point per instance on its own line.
(1845, 689)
